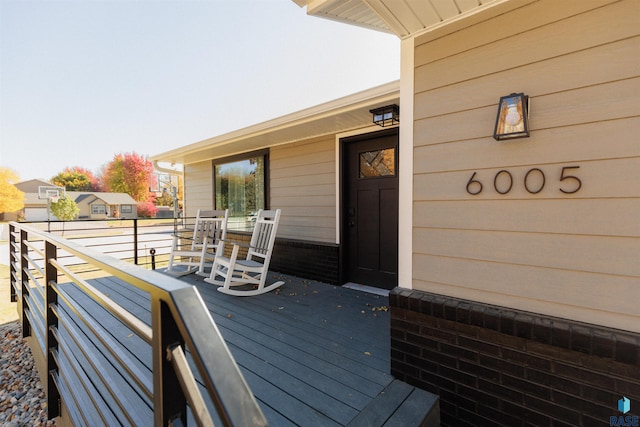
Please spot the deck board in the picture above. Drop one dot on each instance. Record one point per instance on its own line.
(312, 353)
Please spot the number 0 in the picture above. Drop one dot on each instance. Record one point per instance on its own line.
(526, 181)
(495, 181)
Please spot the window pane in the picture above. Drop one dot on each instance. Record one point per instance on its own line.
(240, 188)
(98, 209)
(378, 163)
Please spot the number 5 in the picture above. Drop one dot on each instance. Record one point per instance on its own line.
(575, 178)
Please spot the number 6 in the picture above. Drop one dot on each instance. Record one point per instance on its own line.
(473, 181)
(563, 177)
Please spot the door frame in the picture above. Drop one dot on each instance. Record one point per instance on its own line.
(341, 141)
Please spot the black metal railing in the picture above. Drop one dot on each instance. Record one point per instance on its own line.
(110, 364)
(138, 240)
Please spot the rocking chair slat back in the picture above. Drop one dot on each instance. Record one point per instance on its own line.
(209, 230)
(236, 272)
(264, 235)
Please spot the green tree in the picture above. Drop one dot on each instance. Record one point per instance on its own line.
(130, 173)
(11, 199)
(64, 209)
(76, 179)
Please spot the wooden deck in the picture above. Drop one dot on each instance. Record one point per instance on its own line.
(312, 353)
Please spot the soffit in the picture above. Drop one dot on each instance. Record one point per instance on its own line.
(400, 17)
(341, 115)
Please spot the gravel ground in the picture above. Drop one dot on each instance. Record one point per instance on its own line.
(22, 400)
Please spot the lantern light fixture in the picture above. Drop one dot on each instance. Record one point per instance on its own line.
(513, 117)
(386, 116)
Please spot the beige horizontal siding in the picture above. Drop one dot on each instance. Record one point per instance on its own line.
(592, 141)
(594, 254)
(584, 68)
(433, 46)
(607, 101)
(198, 188)
(581, 31)
(306, 180)
(569, 255)
(302, 184)
(594, 217)
(601, 179)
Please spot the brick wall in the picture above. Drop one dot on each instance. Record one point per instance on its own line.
(497, 366)
(310, 260)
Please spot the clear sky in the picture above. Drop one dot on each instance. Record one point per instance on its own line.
(83, 80)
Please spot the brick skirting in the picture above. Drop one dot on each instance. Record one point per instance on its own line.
(311, 260)
(493, 365)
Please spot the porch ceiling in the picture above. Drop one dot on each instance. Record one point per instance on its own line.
(400, 17)
(341, 115)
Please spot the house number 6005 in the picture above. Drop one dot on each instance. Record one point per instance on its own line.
(569, 183)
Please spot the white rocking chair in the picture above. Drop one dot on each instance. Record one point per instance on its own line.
(249, 271)
(194, 249)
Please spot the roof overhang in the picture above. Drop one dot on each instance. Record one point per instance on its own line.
(404, 18)
(341, 115)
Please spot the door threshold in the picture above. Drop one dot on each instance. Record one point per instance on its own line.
(365, 288)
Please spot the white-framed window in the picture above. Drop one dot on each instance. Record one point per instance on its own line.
(98, 209)
(241, 186)
(126, 209)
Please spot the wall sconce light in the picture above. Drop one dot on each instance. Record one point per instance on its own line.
(513, 117)
(386, 116)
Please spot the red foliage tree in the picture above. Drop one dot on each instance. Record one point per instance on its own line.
(130, 173)
(147, 209)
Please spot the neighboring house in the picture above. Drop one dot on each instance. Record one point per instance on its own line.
(96, 205)
(92, 205)
(35, 204)
(516, 262)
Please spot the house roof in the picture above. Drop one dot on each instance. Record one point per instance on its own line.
(108, 198)
(31, 185)
(340, 115)
(405, 18)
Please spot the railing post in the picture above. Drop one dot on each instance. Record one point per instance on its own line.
(51, 300)
(135, 241)
(13, 273)
(169, 402)
(24, 281)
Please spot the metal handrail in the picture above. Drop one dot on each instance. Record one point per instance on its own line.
(179, 320)
(137, 325)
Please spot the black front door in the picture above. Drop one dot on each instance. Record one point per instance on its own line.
(370, 215)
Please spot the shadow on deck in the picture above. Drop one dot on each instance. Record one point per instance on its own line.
(312, 353)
